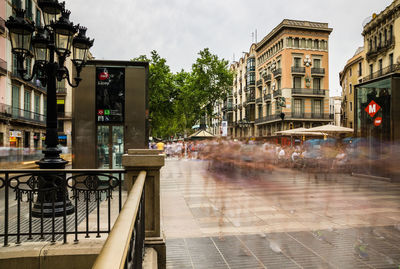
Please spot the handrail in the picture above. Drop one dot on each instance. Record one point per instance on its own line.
(115, 250)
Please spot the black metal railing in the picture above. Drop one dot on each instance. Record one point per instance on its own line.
(251, 82)
(382, 72)
(259, 100)
(298, 69)
(28, 219)
(313, 92)
(259, 82)
(2, 26)
(267, 118)
(295, 115)
(3, 67)
(267, 77)
(267, 97)
(317, 71)
(61, 90)
(380, 48)
(33, 83)
(277, 93)
(277, 72)
(250, 98)
(22, 114)
(5, 110)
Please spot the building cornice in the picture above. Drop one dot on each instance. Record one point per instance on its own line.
(393, 8)
(293, 24)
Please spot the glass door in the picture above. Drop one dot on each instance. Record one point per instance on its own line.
(110, 146)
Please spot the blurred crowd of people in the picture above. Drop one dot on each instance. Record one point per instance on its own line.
(317, 156)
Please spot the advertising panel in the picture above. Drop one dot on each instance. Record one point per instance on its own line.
(110, 94)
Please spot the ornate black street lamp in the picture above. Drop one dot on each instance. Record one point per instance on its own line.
(56, 37)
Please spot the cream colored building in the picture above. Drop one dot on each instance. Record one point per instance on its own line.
(351, 75)
(292, 74)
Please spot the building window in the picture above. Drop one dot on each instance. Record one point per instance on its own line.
(278, 83)
(371, 69)
(391, 59)
(297, 61)
(380, 67)
(317, 107)
(350, 89)
(351, 106)
(297, 107)
(28, 9)
(350, 72)
(260, 114)
(296, 43)
(317, 63)
(268, 109)
(27, 104)
(390, 33)
(316, 44)
(316, 83)
(38, 17)
(297, 82)
(15, 100)
(351, 124)
(359, 69)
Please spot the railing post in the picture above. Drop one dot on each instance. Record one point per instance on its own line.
(151, 161)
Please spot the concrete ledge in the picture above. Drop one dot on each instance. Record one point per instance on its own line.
(150, 259)
(44, 255)
(145, 160)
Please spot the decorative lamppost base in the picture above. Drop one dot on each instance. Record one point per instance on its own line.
(53, 188)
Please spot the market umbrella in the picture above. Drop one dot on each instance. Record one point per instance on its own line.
(329, 128)
(201, 134)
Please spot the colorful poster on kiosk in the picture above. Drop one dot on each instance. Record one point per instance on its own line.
(110, 94)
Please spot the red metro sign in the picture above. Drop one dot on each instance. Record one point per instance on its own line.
(103, 76)
(378, 121)
(372, 108)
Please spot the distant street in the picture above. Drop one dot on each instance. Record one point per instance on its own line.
(241, 219)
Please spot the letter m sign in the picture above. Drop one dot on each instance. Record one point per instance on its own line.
(372, 108)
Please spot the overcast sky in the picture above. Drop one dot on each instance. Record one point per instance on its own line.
(179, 29)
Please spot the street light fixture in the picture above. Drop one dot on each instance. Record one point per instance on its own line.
(57, 37)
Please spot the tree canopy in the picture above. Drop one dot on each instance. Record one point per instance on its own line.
(177, 101)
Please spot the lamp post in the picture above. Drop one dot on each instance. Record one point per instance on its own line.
(42, 43)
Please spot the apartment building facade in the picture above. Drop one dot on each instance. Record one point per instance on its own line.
(376, 96)
(292, 77)
(351, 75)
(22, 104)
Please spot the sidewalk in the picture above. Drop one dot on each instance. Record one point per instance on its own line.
(278, 220)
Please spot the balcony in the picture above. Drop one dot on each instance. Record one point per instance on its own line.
(5, 111)
(382, 48)
(35, 83)
(27, 116)
(235, 94)
(268, 118)
(240, 91)
(64, 115)
(385, 71)
(308, 92)
(61, 90)
(267, 78)
(277, 72)
(2, 26)
(311, 116)
(267, 97)
(3, 67)
(277, 93)
(259, 100)
(315, 71)
(259, 82)
(298, 70)
(251, 82)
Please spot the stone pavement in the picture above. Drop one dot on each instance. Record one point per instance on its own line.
(239, 219)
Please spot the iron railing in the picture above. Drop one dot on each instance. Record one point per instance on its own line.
(61, 90)
(298, 69)
(22, 114)
(293, 115)
(267, 118)
(277, 93)
(382, 72)
(317, 71)
(373, 52)
(267, 97)
(5, 110)
(277, 72)
(313, 92)
(3, 67)
(259, 100)
(64, 115)
(83, 190)
(267, 77)
(259, 82)
(124, 247)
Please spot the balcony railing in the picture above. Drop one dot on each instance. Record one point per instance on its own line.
(277, 93)
(298, 69)
(64, 115)
(3, 67)
(61, 90)
(267, 118)
(2, 26)
(259, 100)
(259, 82)
(267, 97)
(267, 77)
(372, 53)
(251, 82)
(86, 190)
(33, 83)
(21, 114)
(309, 92)
(317, 71)
(300, 115)
(5, 110)
(277, 72)
(385, 71)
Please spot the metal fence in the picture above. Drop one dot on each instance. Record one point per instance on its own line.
(48, 205)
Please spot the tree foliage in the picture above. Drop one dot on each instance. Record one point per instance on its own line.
(177, 101)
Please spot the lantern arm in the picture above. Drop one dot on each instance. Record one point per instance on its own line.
(67, 76)
(22, 72)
